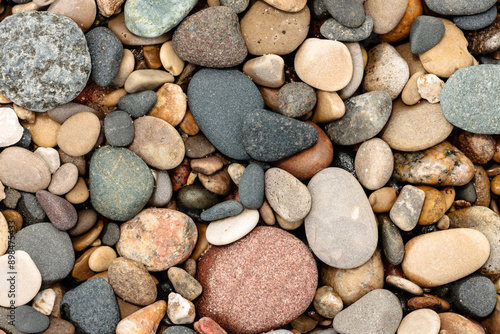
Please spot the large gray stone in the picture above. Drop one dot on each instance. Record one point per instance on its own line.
(459, 7)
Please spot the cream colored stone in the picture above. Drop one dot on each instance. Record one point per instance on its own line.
(10, 129)
(410, 94)
(267, 70)
(50, 156)
(43, 130)
(228, 230)
(64, 179)
(101, 258)
(170, 60)
(386, 14)
(78, 134)
(24, 114)
(141, 80)
(180, 310)
(422, 321)
(79, 193)
(44, 301)
(329, 107)
(235, 171)
(429, 87)
(126, 67)
(287, 225)
(404, 284)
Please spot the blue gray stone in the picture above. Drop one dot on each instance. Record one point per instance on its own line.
(91, 307)
(118, 173)
(477, 21)
(222, 210)
(106, 51)
(30, 209)
(44, 59)
(178, 330)
(459, 7)
(269, 136)
(119, 128)
(29, 320)
(469, 99)
(251, 187)
(426, 32)
(110, 234)
(152, 18)
(219, 99)
(138, 104)
(349, 13)
(50, 249)
(332, 29)
(474, 296)
(238, 6)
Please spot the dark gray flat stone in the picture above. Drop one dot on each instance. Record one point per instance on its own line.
(119, 128)
(426, 32)
(222, 210)
(30, 209)
(251, 187)
(477, 21)
(459, 7)
(474, 296)
(29, 320)
(138, 104)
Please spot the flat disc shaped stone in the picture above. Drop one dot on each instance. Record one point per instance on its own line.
(44, 59)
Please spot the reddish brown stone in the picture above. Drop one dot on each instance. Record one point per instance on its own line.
(478, 148)
(492, 323)
(152, 56)
(481, 183)
(207, 326)
(305, 164)
(486, 40)
(261, 282)
(180, 174)
(428, 301)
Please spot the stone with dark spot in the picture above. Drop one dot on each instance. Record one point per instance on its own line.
(474, 296)
(477, 21)
(347, 12)
(486, 40)
(295, 99)
(459, 7)
(332, 29)
(62, 214)
(138, 104)
(106, 51)
(222, 210)
(184, 284)
(44, 59)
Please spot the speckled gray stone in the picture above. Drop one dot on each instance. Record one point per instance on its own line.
(295, 99)
(469, 99)
(251, 187)
(318, 9)
(474, 296)
(30, 209)
(5, 323)
(44, 59)
(29, 320)
(178, 330)
(238, 6)
(477, 21)
(138, 104)
(222, 210)
(349, 13)
(119, 128)
(365, 116)
(332, 29)
(392, 242)
(118, 173)
(50, 249)
(106, 51)
(459, 7)
(426, 32)
(219, 100)
(110, 234)
(91, 307)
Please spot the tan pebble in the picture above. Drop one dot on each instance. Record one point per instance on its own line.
(190, 266)
(118, 27)
(267, 214)
(43, 130)
(495, 185)
(151, 55)
(188, 124)
(44, 301)
(126, 67)
(96, 243)
(25, 6)
(79, 194)
(83, 241)
(449, 196)
(109, 7)
(434, 206)
(327, 302)
(235, 171)
(180, 310)
(411, 59)
(171, 104)
(111, 99)
(64, 179)
(267, 70)
(82, 12)
(329, 107)
(81, 270)
(383, 199)
(429, 87)
(14, 220)
(443, 223)
(386, 14)
(404, 284)
(374, 163)
(184, 283)
(143, 321)
(410, 94)
(101, 258)
(304, 324)
(213, 3)
(288, 6)
(208, 165)
(270, 96)
(423, 321)
(170, 60)
(287, 225)
(4, 100)
(191, 178)
(454, 323)
(79, 133)
(202, 242)
(24, 114)
(5, 233)
(218, 183)
(141, 80)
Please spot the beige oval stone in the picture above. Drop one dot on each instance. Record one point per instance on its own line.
(82, 12)
(454, 323)
(287, 225)
(79, 193)
(64, 179)
(374, 163)
(429, 87)
(443, 257)
(228, 230)
(4, 235)
(111, 99)
(126, 67)
(25, 6)
(43, 130)
(383, 199)
(23, 170)
(411, 59)
(404, 284)
(359, 58)
(170, 60)
(171, 104)
(324, 64)
(141, 80)
(422, 321)
(329, 107)
(415, 128)
(101, 258)
(267, 30)
(288, 5)
(78, 134)
(267, 70)
(157, 142)
(410, 94)
(385, 14)
(118, 27)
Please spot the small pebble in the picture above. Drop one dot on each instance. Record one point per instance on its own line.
(474, 296)
(138, 104)
(180, 310)
(228, 230)
(119, 128)
(10, 128)
(327, 302)
(101, 258)
(404, 284)
(222, 210)
(296, 99)
(251, 187)
(64, 179)
(29, 320)
(184, 284)
(267, 70)
(44, 301)
(61, 213)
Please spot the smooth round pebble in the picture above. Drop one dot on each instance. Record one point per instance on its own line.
(101, 258)
(29, 320)
(119, 128)
(86, 220)
(386, 14)
(196, 196)
(327, 302)
(474, 296)
(162, 194)
(170, 105)
(61, 213)
(222, 210)
(110, 234)
(374, 163)
(78, 134)
(296, 99)
(267, 70)
(425, 321)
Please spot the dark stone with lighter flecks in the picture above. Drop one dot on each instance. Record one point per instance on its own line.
(251, 187)
(344, 158)
(198, 146)
(29, 320)
(392, 242)
(477, 21)
(91, 307)
(349, 13)
(44, 59)
(238, 6)
(110, 234)
(486, 40)
(62, 214)
(31, 211)
(332, 29)
(268, 136)
(119, 128)
(195, 196)
(25, 141)
(138, 104)
(222, 210)
(474, 296)
(426, 32)
(318, 9)
(295, 99)
(106, 51)
(459, 7)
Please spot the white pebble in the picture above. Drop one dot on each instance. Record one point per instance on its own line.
(50, 156)
(180, 310)
(429, 87)
(10, 129)
(44, 301)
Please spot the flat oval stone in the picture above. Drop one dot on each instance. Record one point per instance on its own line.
(251, 187)
(476, 21)
(426, 32)
(358, 71)
(163, 189)
(23, 170)
(237, 274)
(52, 68)
(219, 101)
(119, 128)
(385, 14)
(365, 115)
(473, 89)
(197, 197)
(392, 242)
(459, 7)
(222, 210)
(119, 173)
(374, 163)
(424, 321)
(79, 134)
(348, 13)
(340, 228)
(106, 52)
(465, 252)
(211, 38)
(30, 320)
(64, 179)
(171, 234)
(61, 213)
(138, 104)
(225, 231)
(333, 30)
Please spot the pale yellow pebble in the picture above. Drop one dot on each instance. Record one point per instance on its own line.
(25, 6)
(43, 130)
(141, 80)
(329, 107)
(79, 194)
(111, 99)
(126, 67)
(410, 94)
(235, 171)
(24, 114)
(289, 226)
(170, 60)
(101, 258)
(429, 87)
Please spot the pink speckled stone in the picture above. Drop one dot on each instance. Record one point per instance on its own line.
(261, 282)
(158, 238)
(207, 326)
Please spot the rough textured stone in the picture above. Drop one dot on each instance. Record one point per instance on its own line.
(222, 210)
(459, 7)
(119, 128)
(486, 40)
(106, 52)
(348, 13)
(477, 21)
(426, 32)
(138, 104)
(474, 296)
(184, 284)
(406, 210)
(50, 73)
(332, 29)
(295, 99)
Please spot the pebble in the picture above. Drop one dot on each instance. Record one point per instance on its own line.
(208, 165)
(61, 213)
(358, 70)
(385, 14)
(219, 101)
(426, 32)
(486, 40)
(340, 227)
(280, 255)
(218, 183)
(197, 197)
(117, 26)
(131, 181)
(406, 210)
(333, 30)
(131, 281)
(434, 206)
(456, 323)
(374, 163)
(184, 284)
(425, 321)
(198, 146)
(329, 107)
(352, 284)
(167, 14)
(92, 307)
(80, 162)
(296, 99)
(383, 199)
(267, 70)
(392, 242)
(127, 65)
(466, 193)
(50, 156)
(27, 279)
(119, 128)
(402, 29)
(386, 70)
(477, 21)
(474, 296)
(180, 310)
(178, 330)
(222, 210)
(466, 251)
(106, 51)
(170, 104)
(429, 87)
(43, 130)
(29, 320)
(25, 141)
(280, 33)
(141, 80)
(170, 60)
(211, 38)
(162, 194)
(460, 7)
(144, 321)
(327, 302)
(442, 165)
(110, 234)
(348, 13)
(83, 17)
(227, 230)
(477, 147)
(78, 134)
(378, 311)
(43, 89)
(171, 233)
(101, 258)
(471, 88)
(404, 284)
(138, 104)
(10, 128)
(61, 113)
(87, 239)
(44, 301)
(30, 210)
(356, 126)
(324, 64)
(59, 326)
(251, 187)
(108, 7)
(79, 194)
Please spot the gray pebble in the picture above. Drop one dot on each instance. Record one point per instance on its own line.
(477, 21)
(162, 194)
(426, 32)
(238, 6)
(195, 196)
(222, 210)
(178, 330)
(29, 320)
(119, 128)
(86, 220)
(459, 7)
(251, 187)
(318, 9)
(332, 29)
(474, 296)
(106, 51)
(295, 99)
(392, 242)
(12, 197)
(349, 13)
(466, 193)
(110, 234)
(30, 209)
(138, 104)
